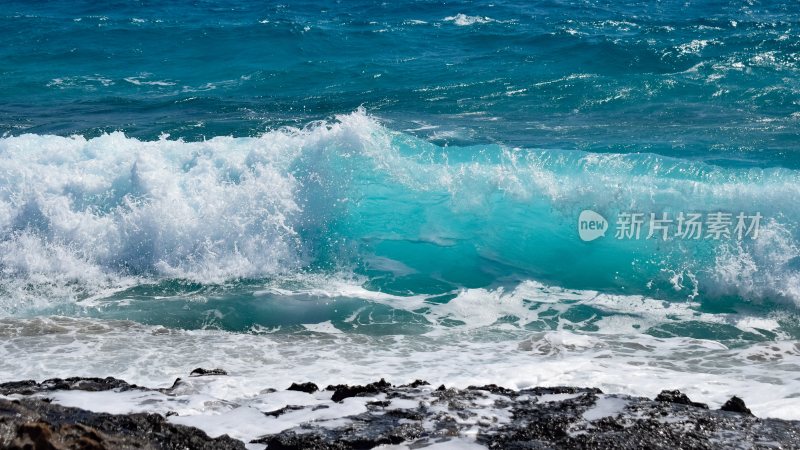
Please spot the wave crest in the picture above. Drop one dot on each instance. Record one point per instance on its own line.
(86, 215)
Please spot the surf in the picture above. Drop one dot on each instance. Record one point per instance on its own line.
(86, 216)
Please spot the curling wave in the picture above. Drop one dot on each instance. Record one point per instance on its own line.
(81, 217)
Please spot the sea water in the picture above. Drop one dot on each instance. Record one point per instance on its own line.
(338, 192)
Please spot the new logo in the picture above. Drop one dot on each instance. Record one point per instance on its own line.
(591, 225)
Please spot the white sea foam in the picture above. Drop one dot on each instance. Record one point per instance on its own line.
(142, 81)
(464, 20)
(694, 47)
(79, 217)
(85, 215)
(604, 407)
(89, 82)
(764, 374)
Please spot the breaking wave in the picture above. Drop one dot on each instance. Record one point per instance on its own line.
(80, 218)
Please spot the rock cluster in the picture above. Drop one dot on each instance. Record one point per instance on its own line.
(35, 424)
(414, 414)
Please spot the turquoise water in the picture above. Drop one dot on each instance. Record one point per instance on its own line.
(243, 164)
(339, 192)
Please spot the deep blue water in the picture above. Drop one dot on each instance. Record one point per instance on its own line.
(443, 146)
(711, 80)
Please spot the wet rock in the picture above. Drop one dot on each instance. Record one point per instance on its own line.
(364, 432)
(552, 390)
(293, 441)
(281, 411)
(735, 404)
(200, 372)
(25, 387)
(30, 387)
(416, 384)
(344, 391)
(379, 404)
(415, 415)
(33, 424)
(493, 388)
(679, 398)
(308, 388)
(174, 386)
(533, 418)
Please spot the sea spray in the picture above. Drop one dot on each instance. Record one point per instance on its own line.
(86, 215)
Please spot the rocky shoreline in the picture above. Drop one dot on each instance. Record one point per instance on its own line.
(415, 415)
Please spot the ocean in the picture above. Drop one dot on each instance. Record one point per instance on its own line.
(342, 191)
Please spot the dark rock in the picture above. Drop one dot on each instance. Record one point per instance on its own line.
(416, 384)
(292, 441)
(735, 404)
(559, 390)
(493, 388)
(416, 415)
(344, 391)
(584, 419)
(308, 388)
(175, 384)
(284, 410)
(200, 372)
(33, 425)
(679, 398)
(25, 387)
(379, 404)
(366, 431)
(409, 414)
(30, 387)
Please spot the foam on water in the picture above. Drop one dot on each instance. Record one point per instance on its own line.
(344, 252)
(533, 335)
(764, 374)
(464, 20)
(98, 213)
(81, 217)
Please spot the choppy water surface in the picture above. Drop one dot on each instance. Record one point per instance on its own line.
(339, 192)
